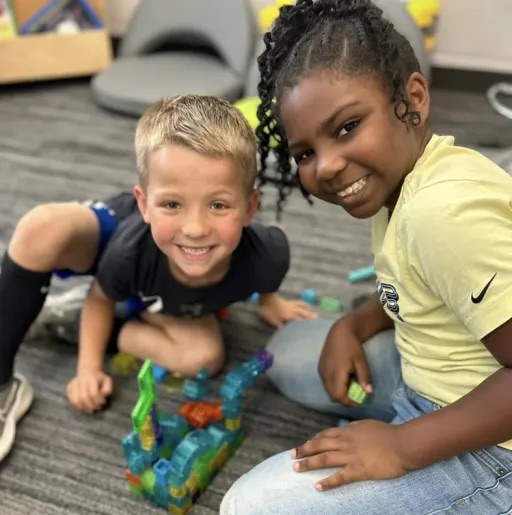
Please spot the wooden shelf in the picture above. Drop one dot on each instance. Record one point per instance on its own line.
(50, 55)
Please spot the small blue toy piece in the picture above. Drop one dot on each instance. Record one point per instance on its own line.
(310, 295)
(255, 297)
(343, 422)
(362, 274)
(196, 389)
(160, 374)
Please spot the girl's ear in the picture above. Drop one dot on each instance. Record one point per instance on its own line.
(418, 95)
(141, 202)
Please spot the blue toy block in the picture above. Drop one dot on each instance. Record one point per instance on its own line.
(162, 469)
(159, 373)
(196, 389)
(255, 297)
(310, 295)
(361, 274)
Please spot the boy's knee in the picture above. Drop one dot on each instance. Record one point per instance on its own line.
(41, 231)
(211, 358)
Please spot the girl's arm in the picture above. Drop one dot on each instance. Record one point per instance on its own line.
(481, 418)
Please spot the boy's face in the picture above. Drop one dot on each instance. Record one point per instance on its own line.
(351, 148)
(197, 206)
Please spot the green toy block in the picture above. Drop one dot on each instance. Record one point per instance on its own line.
(330, 304)
(356, 393)
(148, 480)
(147, 389)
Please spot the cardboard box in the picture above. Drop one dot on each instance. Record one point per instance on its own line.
(50, 55)
(25, 9)
(54, 56)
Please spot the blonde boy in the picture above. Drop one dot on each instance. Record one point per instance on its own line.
(182, 246)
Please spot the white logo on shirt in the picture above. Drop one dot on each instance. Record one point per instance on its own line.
(157, 304)
(389, 298)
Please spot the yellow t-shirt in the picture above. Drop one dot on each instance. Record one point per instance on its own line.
(444, 268)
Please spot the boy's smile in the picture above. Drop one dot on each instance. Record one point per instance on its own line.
(197, 206)
(350, 147)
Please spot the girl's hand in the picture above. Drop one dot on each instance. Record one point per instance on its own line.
(341, 359)
(363, 450)
(277, 311)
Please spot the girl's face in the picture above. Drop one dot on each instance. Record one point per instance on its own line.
(350, 147)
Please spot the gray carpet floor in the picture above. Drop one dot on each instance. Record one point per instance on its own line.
(56, 144)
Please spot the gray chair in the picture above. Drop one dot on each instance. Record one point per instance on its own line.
(177, 47)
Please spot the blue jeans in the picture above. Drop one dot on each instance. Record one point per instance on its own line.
(476, 483)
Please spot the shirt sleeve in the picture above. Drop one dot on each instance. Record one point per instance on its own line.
(273, 256)
(113, 272)
(457, 236)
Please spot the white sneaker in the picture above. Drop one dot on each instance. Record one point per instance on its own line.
(13, 405)
(59, 310)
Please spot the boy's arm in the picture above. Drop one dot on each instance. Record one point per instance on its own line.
(274, 262)
(275, 310)
(95, 328)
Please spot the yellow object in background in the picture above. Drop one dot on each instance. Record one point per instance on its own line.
(248, 106)
(425, 14)
(7, 24)
(268, 14)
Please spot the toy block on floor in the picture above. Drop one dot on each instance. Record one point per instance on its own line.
(173, 458)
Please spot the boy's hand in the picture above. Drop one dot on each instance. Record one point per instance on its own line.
(89, 390)
(363, 450)
(341, 359)
(276, 310)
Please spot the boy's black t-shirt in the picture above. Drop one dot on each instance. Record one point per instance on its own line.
(132, 265)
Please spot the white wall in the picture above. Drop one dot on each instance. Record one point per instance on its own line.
(475, 34)
(472, 34)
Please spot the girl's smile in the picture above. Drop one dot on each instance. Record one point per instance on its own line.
(350, 147)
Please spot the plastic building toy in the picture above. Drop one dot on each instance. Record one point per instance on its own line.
(361, 274)
(343, 422)
(356, 393)
(255, 297)
(310, 295)
(173, 458)
(330, 304)
(123, 363)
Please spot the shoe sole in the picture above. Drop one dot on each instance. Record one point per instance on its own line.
(21, 406)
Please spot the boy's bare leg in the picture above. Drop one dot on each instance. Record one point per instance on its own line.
(48, 237)
(51, 236)
(178, 344)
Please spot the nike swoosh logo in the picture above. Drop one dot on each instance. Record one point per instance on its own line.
(481, 295)
(157, 303)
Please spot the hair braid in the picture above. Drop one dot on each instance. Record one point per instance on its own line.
(350, 36)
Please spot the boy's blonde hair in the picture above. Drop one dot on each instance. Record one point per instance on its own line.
(204, 124)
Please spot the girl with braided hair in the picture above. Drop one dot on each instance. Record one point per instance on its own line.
(343, 96)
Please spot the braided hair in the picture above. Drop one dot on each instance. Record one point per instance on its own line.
(344, 36)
